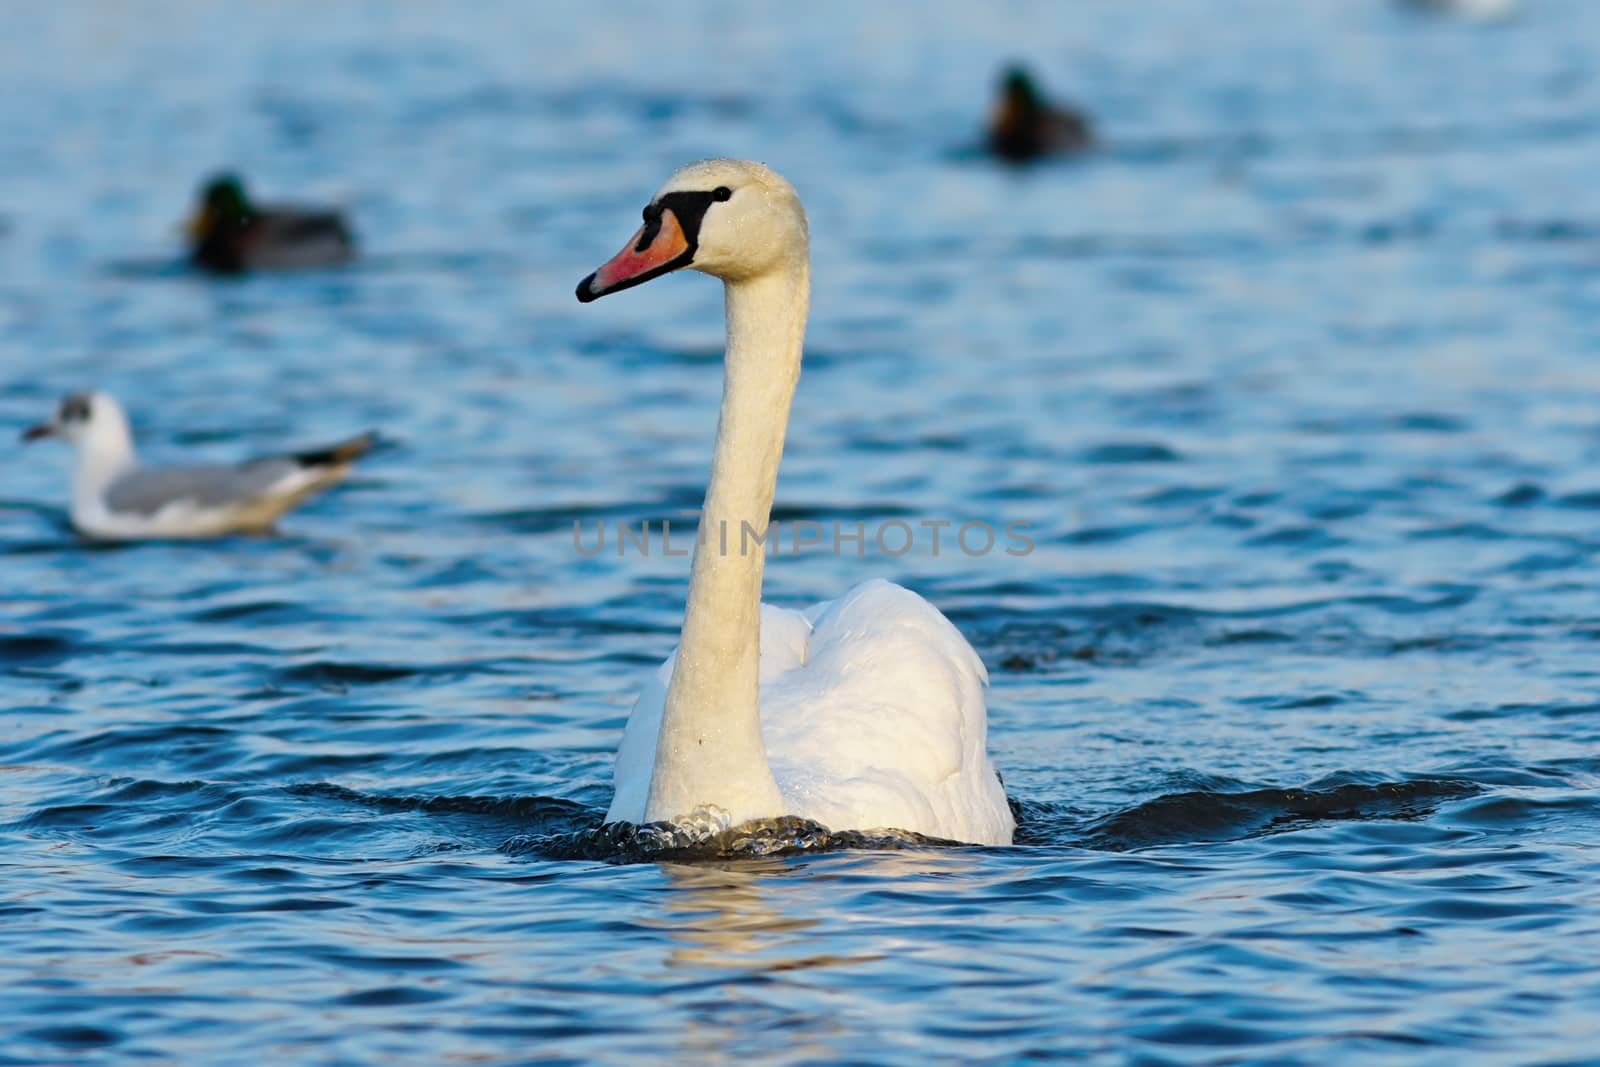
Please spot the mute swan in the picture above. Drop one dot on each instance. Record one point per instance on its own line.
(231, 234)
(114, 497)
(861, 713)
(1026, 126)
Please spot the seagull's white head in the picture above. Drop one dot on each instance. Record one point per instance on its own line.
(92, 422)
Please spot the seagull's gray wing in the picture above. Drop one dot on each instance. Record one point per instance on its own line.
(147, 491)
(281, 480)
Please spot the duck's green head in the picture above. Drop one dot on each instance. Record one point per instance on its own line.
(222, 202)
(1012, 124)
(1018, 89)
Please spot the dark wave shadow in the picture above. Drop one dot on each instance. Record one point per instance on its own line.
(558, 828)
(1206, 816)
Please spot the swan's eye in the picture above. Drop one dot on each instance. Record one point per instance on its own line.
(722, 192)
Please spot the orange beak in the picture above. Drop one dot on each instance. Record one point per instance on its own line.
(197, 225)
(1007, 116)
(658, 248)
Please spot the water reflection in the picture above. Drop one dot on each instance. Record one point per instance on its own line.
(756, 934)
(723, 917)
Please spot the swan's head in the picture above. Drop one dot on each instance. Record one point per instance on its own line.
(85, 419)
(725, 217)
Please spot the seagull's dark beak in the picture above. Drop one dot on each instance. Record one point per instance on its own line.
(39, 432)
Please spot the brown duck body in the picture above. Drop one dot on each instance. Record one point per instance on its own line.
(274, 239)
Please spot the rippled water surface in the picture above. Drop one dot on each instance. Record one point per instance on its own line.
(1296, 381)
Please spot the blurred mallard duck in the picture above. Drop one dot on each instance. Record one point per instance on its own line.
(1027, 126)
(230, 234)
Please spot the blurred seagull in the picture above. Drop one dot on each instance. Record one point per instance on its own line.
(1475, 10)
(114, 497)
(1026, 126)
(231, 234)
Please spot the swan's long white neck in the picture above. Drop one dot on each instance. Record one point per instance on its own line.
(709, 751)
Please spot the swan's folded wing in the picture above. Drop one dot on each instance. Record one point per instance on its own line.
(886, 715)
(785, 641)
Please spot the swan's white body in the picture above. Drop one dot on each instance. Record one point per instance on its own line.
(862, 713)
(872, 716)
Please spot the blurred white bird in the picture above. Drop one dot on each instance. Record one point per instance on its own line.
(114, 497)
(1477, 10)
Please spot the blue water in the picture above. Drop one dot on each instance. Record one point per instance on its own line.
(1296, 381)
